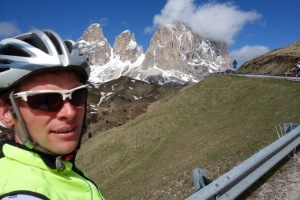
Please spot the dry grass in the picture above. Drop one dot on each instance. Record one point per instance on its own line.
(214, 124)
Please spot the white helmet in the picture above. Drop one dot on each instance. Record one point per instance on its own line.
(38, 51)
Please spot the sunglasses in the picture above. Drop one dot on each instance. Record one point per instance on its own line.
(53, 100)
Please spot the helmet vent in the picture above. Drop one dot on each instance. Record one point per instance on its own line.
(54, 41)
(35, 41)
(5, 61)
(13, 50)
(69, 45)
(4, 69)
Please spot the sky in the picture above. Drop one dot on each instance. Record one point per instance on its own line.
(249, 27)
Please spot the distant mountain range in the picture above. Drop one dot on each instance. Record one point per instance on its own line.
(175, 54)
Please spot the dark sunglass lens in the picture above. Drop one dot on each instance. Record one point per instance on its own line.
(36, 101)
(54, 102)
(47, 102)
(79, 97)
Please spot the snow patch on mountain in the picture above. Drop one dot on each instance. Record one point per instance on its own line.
(113, 69)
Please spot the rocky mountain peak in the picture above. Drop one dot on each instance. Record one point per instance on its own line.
(175, 47)
(94, 44)
(176, 54)
(93, 33)
(164, 34)
(126, 47)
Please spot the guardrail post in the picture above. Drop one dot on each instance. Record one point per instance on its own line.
(200, 179)
(287, 128)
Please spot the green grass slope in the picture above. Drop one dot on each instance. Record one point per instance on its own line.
(215, 124)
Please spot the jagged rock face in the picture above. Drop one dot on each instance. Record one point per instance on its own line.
(93, 44)
(176, 47)
(175, 54)
(126, 47)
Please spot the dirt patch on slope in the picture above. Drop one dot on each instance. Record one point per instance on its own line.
(114, 103)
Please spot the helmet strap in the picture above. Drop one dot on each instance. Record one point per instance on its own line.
(26, 139)
(84, 126)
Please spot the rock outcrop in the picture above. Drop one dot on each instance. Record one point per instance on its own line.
(126, 47)
(176, 48)
(93, 44)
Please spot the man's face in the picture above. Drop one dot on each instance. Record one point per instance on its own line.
(58, 132)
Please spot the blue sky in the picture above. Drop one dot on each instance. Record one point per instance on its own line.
(250, 27)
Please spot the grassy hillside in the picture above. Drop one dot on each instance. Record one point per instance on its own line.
(215, 124)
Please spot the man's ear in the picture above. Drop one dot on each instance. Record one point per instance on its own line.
(6, 118)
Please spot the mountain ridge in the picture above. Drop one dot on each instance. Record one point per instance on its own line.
(175, 54)
(280, 60)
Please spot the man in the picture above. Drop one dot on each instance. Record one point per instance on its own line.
(297, 67)
(43, 98)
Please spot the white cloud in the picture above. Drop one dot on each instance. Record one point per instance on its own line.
(216, 21)
(248, 52)
(8, 29)
(149, 29)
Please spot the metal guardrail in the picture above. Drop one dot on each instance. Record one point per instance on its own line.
(236, 181)
(285, 75)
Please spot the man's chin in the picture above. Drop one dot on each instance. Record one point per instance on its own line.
(65, 149)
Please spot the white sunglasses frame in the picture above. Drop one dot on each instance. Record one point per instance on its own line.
(65, 93)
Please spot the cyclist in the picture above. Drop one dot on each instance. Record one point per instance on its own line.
(297, 68)
(43, 88)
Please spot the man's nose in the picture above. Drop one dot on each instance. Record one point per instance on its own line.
(67, 110)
